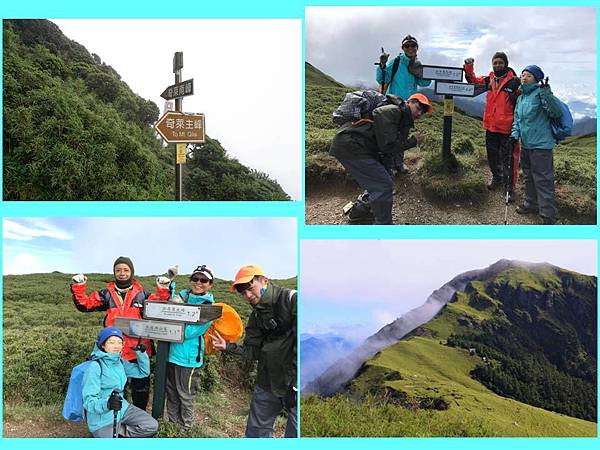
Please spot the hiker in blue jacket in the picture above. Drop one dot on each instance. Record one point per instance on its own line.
(110, 374)
(405, 81)
(186, 358)
(534, 111)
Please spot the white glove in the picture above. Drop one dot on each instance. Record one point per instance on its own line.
(173, 271)
(163, 282)
(177, 299)
(79, 279)
(469, 61)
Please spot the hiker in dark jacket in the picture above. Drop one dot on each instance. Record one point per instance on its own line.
(502, 86)
(271, 335)
(366, 147)
(401, 82)
(110, 374)
(536, 107)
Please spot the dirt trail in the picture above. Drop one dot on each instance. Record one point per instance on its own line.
(324, 207)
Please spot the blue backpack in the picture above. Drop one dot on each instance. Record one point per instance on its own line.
(73, 406)
(562, 127)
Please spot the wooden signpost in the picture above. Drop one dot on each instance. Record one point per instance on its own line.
(165, 322)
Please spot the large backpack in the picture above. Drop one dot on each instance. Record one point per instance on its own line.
(562, 127)
(358, 105)
(73, 405)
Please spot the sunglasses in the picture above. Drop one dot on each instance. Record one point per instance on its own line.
(243, 287)
(409, 46)
(199, 280)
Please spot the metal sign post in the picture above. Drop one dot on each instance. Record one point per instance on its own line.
(167, 324)
(177, 66)
(449, 89)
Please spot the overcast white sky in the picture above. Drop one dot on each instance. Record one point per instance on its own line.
(344, 42)
(247, 79)
(357, 286)
(85, 245)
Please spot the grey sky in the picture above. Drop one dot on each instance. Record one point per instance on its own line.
(357, 286)
(247, 79)
(344, 42)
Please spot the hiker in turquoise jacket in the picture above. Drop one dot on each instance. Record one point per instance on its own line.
(534, 111)
(186, 358)
(110, 374)
(405, 81)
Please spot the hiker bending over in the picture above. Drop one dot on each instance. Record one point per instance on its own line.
(108, 376)
(365, 147)
(186, 358)
(502, 85)
(401, 78)
(535, 108)
(123, 297)
(271, 339)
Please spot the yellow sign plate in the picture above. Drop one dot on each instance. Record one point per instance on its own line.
(181, 153)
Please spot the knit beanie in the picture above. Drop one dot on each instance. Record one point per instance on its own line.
(535, 71)
(502, 56)
(124, 260)
(107, 332)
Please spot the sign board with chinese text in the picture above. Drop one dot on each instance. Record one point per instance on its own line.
(181, 153)
(459, 89)
(442, 73)
(151, 329)
(181, 312)
(179, 90)
(177, 127)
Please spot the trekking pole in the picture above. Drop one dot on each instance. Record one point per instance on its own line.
(115, 405)
(508, 178)
(506, 210)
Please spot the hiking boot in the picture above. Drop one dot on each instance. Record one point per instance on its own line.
(494, 184)
(524, 209)
(511, 197)
(548, 220)
(403, 169)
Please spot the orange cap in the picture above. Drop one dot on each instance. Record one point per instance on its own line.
(423, 100)
(245, 274)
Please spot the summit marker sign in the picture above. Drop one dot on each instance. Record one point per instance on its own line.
(177, 127)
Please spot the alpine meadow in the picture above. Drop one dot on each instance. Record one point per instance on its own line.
(74, 130)
(45, 336)
(430, 194)
(508, 350)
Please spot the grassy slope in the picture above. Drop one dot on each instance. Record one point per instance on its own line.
(44, 337)
(430, 369)
(575, 158)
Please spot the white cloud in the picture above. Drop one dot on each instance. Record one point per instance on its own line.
(32, 229)
(22, 263)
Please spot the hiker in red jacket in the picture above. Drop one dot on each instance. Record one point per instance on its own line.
(123, 297)
(502, 90)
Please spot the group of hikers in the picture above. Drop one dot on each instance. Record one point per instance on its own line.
(518, 121)
(122, 360)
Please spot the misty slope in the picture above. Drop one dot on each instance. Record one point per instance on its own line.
(333, 380)
(73, 130)
(317, 353)
(536, 326)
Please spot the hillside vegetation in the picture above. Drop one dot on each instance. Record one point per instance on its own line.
(486, 365)
(575, 158)
(73, 130)
(44, 337)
